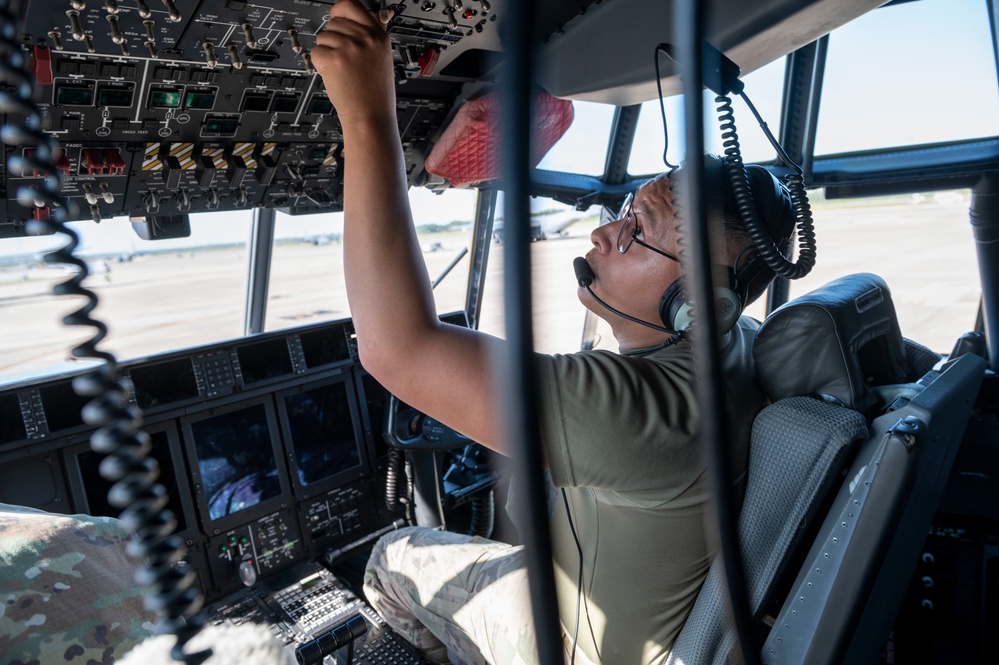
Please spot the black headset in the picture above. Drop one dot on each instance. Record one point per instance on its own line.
(770, 197)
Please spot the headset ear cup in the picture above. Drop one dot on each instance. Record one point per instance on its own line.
(728, 308)
(675, 312)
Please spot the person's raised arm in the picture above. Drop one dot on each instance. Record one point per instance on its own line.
(441, 370)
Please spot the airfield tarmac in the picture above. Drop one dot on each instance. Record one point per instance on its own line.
(161, 302)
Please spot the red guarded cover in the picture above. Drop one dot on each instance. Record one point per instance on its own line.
(469, 149)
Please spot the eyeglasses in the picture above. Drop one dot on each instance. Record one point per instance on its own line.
(630, 230)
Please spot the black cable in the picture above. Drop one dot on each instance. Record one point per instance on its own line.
(579, 580)
(766, 130)
(118, 435)
(661, 48)
(394, 474)
(483, 515)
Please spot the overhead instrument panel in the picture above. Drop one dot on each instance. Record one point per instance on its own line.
(170, 107)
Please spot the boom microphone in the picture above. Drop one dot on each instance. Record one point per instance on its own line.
(585, 277)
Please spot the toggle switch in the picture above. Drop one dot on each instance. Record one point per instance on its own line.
(173, 15)
(89, 194)
(116, 34)
(239, 198)
(307, 59)
(41, 64)
(92, 161)
(296, 45)
(151, 201)
(76, 28)
(112, 159)
(234, 56)
(251, 41)
(209, 50)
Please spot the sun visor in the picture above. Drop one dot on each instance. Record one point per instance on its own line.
(469, 149)
(837, 341)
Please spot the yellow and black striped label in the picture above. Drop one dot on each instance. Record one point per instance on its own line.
(330, 159)
(245, 152)
(184, 154)
(217, 157)
(151, 158)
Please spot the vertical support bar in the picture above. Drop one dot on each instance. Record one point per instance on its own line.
(985, 224)
(778, 293)
(258, 269)
(485, 209)
(689, 21)
(518, 368)
(623, 129)
(799, 89)
(799, 118)
(814, 100)
(591, 320)
(993, 6)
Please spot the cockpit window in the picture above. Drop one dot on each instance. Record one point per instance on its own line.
(306, 278)
(583, 148)
(909, 74)
(306, 281)
(560, 233)
(764, 88)
(156, 295)
(935, 286)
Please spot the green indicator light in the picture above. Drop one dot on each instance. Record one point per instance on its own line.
(74, 96)
(221, 125)
(164, 99)
(114, 97)
(199, 100)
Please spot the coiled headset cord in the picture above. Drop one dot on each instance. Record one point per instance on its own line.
(744, 198)
(118, 435)
(738, 177)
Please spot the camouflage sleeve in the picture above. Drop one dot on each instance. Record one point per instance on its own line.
(67, 588)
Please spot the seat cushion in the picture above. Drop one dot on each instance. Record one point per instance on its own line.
(68, 590)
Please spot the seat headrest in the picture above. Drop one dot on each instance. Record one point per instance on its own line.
(836, 342)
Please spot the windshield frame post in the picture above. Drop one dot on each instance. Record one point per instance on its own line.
(984, 214)
(258, 269)
(482, 233)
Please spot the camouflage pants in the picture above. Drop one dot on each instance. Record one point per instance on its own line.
(459, 599)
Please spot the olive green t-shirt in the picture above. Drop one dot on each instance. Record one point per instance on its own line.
(621, 437)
